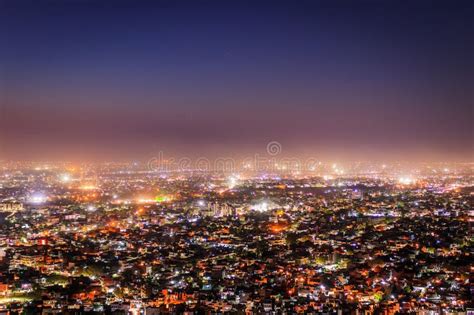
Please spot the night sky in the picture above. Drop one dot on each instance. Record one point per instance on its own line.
(333, 79)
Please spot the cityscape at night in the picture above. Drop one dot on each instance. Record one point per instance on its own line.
(236, 157)
(121, 238)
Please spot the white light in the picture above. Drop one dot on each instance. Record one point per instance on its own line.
(232, 182)
(65, 178)
(37, 198)
(261, 207)
(201, 203)
(406, 180)
(339, 171)
(91, 208)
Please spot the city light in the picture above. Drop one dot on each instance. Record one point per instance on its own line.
(65, 178)
(406, 180)
(38, 198)
(88, 187)
(232, 181)
(261, 207)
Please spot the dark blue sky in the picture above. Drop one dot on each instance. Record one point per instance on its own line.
(328, 78)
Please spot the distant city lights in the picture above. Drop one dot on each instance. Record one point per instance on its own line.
(406, 180)
(88, 187)
(232, 181)
(65, 178)
(37, 198)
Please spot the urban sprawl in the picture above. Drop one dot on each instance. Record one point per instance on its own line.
(119, 238)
